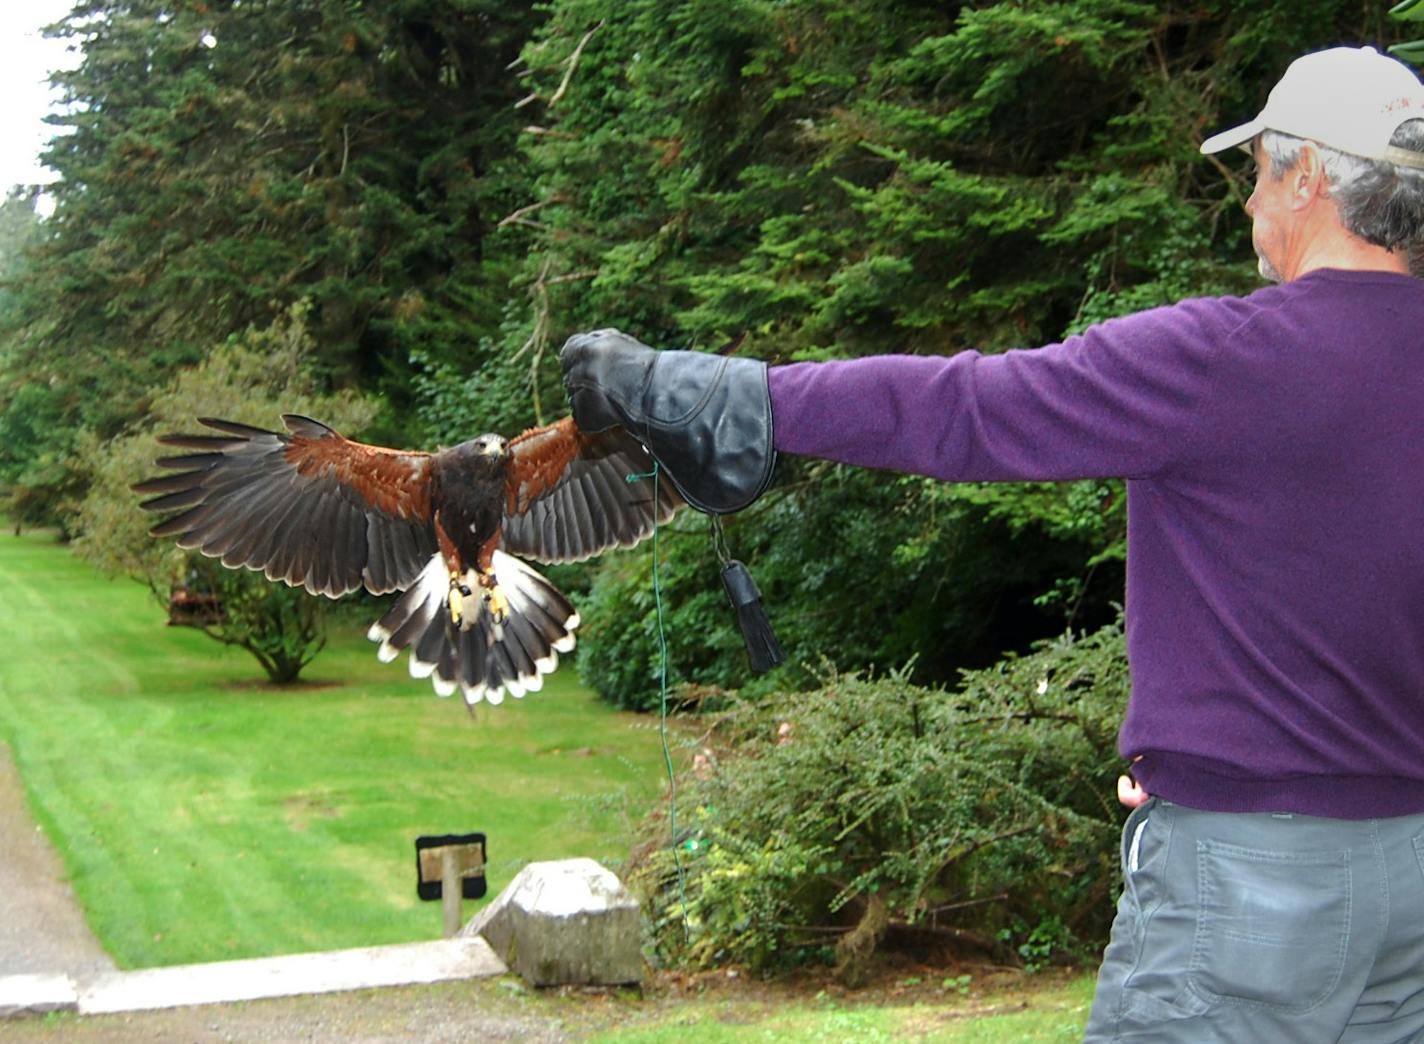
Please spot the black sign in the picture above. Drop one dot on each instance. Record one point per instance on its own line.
(468, 853)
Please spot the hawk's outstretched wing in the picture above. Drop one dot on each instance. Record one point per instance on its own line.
(573, 495)
(311, 507)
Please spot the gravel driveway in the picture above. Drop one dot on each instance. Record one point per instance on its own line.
(41, 928)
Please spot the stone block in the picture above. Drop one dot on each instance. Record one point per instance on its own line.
(568, 922)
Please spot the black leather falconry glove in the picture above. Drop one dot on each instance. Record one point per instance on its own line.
(707, 421)
(706, 418)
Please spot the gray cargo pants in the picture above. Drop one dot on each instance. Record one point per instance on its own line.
(1260, 928)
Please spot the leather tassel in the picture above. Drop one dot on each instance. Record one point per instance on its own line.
(763, 650)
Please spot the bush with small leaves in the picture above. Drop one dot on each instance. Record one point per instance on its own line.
(814, 823)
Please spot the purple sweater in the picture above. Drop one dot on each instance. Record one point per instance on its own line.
(1273, 447)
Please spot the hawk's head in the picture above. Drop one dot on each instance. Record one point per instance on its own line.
(494, 446)
(487, 454)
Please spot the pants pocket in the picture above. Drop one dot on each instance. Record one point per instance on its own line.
(1272, 927)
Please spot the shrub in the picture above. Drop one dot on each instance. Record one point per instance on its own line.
(862, 568)
(815, 823)
(252, 379)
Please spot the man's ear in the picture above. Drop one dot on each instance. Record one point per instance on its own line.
(1308, 179)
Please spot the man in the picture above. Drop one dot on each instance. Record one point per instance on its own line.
(1273, 447)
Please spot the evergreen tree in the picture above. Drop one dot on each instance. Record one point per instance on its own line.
(226, 159)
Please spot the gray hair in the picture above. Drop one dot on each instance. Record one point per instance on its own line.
(1378, 201)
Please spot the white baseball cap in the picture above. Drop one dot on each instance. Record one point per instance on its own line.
(1350, 98)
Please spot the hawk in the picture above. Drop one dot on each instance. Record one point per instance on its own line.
(314, 509)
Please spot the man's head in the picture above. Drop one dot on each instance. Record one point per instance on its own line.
(1344, 129)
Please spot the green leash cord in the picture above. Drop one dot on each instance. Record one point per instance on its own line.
(663, 701)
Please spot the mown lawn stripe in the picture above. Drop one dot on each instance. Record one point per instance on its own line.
(203, 816)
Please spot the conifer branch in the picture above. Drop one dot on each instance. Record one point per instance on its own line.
(573, 64)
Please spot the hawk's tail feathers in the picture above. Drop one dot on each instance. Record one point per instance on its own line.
(483, 657)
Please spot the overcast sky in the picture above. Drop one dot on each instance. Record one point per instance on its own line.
(26, 60)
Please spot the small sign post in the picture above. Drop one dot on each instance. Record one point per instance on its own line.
(450, 867)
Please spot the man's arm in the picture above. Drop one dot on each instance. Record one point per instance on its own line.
(1120, 401)
(1124, 400)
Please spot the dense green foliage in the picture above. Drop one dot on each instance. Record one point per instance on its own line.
(32, 445)
(1411, 11)
(915, 572)
(815, 822)
(225, 160)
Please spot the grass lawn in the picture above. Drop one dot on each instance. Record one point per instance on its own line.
(203, 816)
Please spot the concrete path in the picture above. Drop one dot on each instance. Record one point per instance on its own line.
(222, 982)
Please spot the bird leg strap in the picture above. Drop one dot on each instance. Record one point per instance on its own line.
(494, 599)
(459, 591)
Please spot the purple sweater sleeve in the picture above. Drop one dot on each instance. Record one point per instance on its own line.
(1120, 400)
